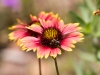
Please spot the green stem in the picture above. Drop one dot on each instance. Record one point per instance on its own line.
(56, 65)
(39, 61)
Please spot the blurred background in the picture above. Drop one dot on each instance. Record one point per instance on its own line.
(83, 60)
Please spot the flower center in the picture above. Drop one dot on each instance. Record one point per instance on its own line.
(51, 37)
(50, 33)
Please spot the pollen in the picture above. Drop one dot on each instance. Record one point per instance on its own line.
(50, 33)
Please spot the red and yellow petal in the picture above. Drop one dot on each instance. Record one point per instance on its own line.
(60, 25)
(35, 28)
(14, 27)
(33, 18)
(43, 52)
(30, 43)
(69, 28)
(18, 34)
(48, 16)
(66, 48)
(54, 52)
(76, 36)
(70, 39)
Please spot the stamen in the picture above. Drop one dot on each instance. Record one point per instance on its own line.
(50, 33)
(51, 37)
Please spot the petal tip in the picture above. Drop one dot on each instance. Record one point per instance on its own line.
(72, 46)
(79, 28)
(73, 41)
(46, 56)
(81, 34)
(77, 24)
(19, 21)
(69, 50)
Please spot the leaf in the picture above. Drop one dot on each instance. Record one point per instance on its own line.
(94, 23)
(84, 13)
(96, 33)
(90, 5)
(98, 4)
(87, 28)
(76, 18)
(95, 26)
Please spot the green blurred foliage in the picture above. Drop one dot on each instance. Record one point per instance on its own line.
(91, 29)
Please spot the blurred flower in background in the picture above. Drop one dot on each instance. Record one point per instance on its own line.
(21, 30)
(14, 4)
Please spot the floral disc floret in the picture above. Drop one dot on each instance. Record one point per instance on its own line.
(51, 37)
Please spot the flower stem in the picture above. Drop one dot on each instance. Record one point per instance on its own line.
(39, 61)
(56, 65)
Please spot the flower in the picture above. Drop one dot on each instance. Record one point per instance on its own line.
(14, 4)
(21, 31)
(54, 37)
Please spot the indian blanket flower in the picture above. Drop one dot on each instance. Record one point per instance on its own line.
(21, 31)
(54, 37)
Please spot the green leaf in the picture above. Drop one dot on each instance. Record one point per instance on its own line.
(90, 5)
(87, 28)
(95, 26)
(76, 18)
(84, 13)
(98, 4)
(94, 23)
